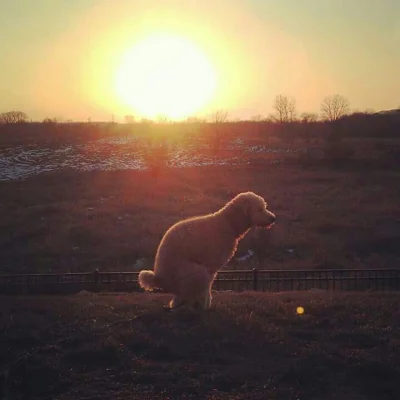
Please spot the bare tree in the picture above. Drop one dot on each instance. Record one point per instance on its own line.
(334, 107)
(285, 109)
(257, 118)
(129, 119)
(219, 116)
(195, 120)
(49, 120)
(307, 117)
(292, 110)
(163, 119)
(280, 108)
(13, 117)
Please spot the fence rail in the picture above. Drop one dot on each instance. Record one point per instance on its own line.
(236, 280)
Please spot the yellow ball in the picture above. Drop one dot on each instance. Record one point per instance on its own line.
(300, 310)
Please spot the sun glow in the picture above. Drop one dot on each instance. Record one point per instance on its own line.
(165, 74)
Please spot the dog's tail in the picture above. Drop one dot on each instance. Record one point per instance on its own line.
(147, 280)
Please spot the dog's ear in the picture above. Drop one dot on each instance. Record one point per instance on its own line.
(242, 205)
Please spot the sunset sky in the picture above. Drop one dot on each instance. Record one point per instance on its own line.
(80, 59)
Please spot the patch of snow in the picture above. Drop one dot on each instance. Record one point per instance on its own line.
(110, 154)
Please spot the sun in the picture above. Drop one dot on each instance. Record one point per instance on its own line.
(165, 74)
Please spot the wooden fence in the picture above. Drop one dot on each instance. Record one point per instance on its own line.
(236, 280)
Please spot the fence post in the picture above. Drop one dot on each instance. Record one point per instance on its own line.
(255, 279)
(96, 278)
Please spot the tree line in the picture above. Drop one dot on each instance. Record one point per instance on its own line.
(333, 108)
(13, 117)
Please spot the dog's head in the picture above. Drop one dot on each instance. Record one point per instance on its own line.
(255, 210)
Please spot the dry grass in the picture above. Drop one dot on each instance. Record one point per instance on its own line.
(249, 346)
(65, 221)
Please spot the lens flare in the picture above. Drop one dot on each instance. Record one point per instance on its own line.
(300, 310)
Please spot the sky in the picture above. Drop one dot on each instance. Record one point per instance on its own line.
(63, 58)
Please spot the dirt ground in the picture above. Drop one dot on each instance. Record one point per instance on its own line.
(249, 346)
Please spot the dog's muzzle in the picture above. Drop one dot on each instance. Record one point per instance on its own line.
(272, 221)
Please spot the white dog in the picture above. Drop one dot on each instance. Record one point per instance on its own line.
(193, 250)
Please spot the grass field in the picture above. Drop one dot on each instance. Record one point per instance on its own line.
(327, 217)
(249, 346)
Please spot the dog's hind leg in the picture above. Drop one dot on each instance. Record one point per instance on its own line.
(195, 285)
(204, 301)
(209, 299)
